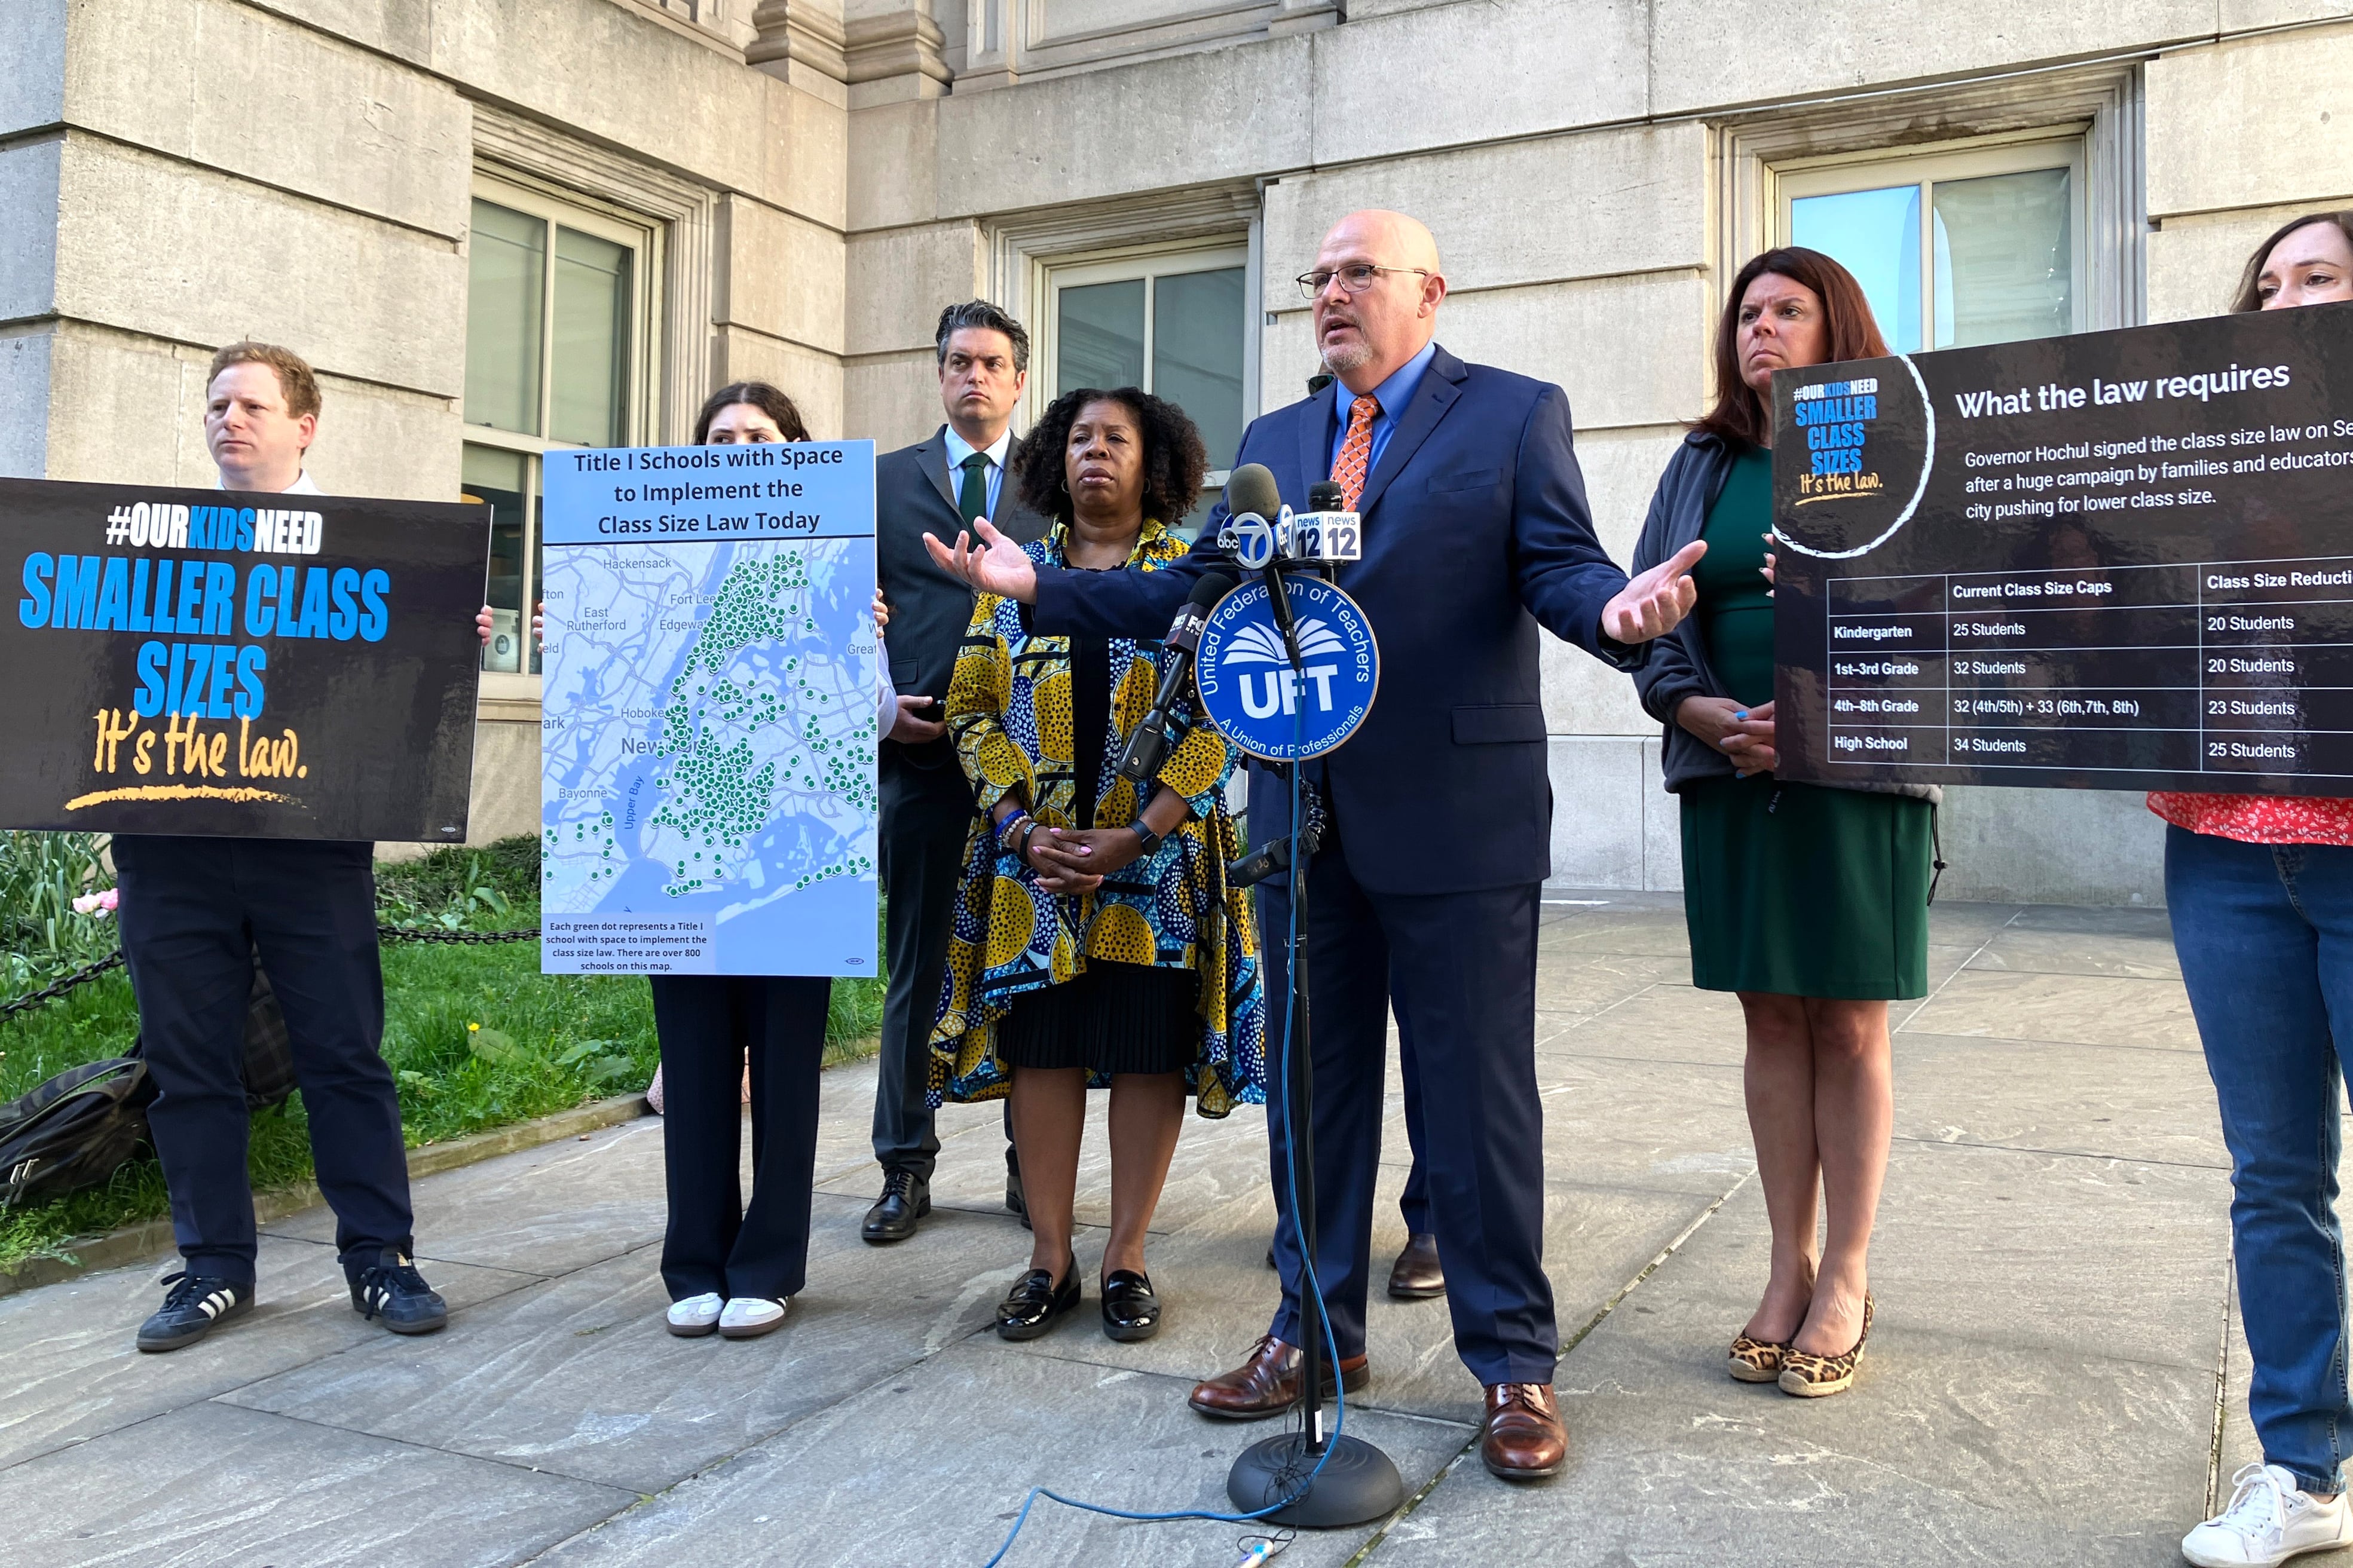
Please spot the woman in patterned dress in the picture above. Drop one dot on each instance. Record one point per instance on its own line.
(1096, 941)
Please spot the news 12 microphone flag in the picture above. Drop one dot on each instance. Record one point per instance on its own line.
(238, 664)
(708, 799)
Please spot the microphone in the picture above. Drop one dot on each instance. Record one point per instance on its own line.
(1325, 496)
(1148, 747)
(1250, 490)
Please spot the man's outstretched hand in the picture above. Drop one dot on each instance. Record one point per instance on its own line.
(1651, 605)
(995, 564)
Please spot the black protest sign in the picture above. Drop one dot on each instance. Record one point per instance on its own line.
(2117, 561)
(244, 665)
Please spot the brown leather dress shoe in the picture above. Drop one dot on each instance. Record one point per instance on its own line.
(1417, 1277)
(1266, 1384)
(1523, 1439)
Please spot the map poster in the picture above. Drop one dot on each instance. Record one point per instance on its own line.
(707, 795)
(243, 666)
(2116, 561)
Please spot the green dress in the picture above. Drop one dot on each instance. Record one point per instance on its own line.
(1791, 888)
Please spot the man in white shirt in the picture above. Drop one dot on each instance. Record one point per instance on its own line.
(195, 910)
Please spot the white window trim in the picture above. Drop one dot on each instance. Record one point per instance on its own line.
(2012, 152)
(1127, 264)
(502, 691)
(643, 239)
(1022, 251)
(2102, 102)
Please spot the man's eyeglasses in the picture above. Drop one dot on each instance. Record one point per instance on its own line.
(1355, 279)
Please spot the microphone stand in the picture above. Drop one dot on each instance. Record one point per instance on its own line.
(1340, 1480)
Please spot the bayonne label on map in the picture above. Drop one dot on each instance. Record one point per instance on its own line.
(707, 795)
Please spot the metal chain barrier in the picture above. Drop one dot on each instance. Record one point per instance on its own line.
(428, 933)
(90, 972)
(50, 993)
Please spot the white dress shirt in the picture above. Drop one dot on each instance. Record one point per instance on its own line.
(959, 449)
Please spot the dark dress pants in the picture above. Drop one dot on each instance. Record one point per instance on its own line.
(1413, 1204)
(1462, 970)
(194, 911)
(707, 1022)
(926, 814)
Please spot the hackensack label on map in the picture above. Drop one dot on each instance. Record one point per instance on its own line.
(707, 793)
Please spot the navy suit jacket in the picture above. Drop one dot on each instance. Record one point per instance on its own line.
(1475, 532)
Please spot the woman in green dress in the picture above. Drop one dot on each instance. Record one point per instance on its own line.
(1808, 901)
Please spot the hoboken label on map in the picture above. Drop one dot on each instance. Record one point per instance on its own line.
(2115, 561)
(707, 792)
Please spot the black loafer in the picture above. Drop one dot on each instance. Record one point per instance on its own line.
(1129, 1310)
(1035, 1303)
(1017, 1201)
(906, 1198)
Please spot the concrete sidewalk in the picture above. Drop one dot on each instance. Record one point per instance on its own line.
(2056, 1375)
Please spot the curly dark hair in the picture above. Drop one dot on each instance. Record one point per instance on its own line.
(1174, 457)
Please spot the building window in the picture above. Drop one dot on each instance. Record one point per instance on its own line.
(1174, 324)
(559, 311)
(1979, 244)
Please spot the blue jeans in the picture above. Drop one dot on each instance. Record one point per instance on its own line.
(2264, 933)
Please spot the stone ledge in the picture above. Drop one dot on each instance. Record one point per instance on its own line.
(153, 1238)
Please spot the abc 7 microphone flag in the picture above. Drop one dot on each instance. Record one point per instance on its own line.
(1288, 681)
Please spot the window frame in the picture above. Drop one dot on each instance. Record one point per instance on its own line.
(643, 237)
(1924, 168)
(1123, 264)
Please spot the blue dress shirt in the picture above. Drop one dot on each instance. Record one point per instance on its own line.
(1393, 394)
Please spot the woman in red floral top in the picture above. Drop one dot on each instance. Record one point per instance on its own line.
(2262, 894)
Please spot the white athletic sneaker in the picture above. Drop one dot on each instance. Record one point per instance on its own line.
(695, 1316)
(749, 1317)
(2269, 1521)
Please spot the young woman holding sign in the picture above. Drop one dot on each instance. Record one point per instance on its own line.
(732, 1267)
(2260, 889)
(1808, 901)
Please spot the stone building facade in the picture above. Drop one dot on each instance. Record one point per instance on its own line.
(500, 226)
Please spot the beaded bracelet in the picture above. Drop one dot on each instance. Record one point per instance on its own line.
(1005, 828)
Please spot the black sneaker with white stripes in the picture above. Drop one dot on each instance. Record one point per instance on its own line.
(196, 1303)
(395, 1295)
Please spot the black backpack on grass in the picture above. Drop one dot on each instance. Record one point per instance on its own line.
(73, 1132)
(80, 1127)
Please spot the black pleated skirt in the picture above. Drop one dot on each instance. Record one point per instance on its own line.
(1109, 1018)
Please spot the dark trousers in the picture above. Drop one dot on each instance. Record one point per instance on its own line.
(194, 913)
(1413, 1203)
(1462, 969)
(926, 814)
(707, 1022)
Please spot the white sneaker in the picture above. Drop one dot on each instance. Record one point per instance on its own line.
(2269, 1521)
(695, 1316)
(749, 1317)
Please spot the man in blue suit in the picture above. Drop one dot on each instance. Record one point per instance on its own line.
(1426, 889)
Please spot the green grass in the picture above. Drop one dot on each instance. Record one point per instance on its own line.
(476, 1036)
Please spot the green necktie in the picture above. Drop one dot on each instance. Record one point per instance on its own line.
(972, 496)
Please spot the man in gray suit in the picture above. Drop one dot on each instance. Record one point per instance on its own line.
(934, 487)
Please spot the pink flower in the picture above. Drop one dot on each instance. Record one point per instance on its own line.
(99, 904)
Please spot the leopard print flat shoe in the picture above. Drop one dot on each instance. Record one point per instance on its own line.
(1756, 1361)
(1809, 1376)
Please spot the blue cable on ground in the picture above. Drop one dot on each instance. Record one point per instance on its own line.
(1307, 1264)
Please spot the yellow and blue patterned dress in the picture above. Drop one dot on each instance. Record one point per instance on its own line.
(1011, 710)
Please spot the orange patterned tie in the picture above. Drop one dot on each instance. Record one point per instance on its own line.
(1348, 472)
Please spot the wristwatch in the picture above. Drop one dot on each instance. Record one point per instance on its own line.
(1149, 839)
